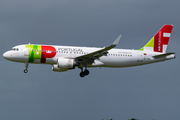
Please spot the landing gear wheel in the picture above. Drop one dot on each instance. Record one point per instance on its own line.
(86, 72)
(25, 71)
(82, 74)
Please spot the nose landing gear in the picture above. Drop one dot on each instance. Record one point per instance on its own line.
(26, 70)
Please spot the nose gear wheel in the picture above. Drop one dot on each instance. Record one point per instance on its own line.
(26, 70)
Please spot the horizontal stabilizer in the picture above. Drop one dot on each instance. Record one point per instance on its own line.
(163, 55)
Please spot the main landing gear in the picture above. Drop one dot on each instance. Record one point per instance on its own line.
(26, 70)
(84, 73)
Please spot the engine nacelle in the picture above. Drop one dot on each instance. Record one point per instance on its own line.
(57, 69)
(65, 63)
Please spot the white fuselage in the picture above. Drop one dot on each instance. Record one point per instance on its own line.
(114, 57)
(64, 58)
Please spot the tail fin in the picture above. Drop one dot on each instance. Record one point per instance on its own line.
(159, 41)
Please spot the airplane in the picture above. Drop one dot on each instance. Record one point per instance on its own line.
(64, 58)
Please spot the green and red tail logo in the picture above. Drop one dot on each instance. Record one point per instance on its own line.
(159, 41)
(39, 53)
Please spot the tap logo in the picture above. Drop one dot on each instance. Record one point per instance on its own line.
(39, 53)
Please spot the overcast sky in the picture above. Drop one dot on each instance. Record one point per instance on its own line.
(145, 92)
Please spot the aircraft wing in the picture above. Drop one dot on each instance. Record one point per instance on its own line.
(102, 52)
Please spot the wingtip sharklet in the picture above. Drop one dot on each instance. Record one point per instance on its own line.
(117, 40)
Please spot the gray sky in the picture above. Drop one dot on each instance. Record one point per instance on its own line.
(145, 92)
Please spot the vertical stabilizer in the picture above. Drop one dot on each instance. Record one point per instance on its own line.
(159, 41)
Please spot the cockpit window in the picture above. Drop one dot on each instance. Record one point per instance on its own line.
(15, 49)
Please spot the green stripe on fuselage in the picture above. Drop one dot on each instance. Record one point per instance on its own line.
(34, 53)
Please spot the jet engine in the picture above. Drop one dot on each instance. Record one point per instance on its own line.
(57, 69)
(64, 65)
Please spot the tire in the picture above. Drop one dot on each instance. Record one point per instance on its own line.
(25, 71)
(82, 74)
(86, 72)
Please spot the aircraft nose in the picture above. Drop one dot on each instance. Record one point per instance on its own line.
(6, 55)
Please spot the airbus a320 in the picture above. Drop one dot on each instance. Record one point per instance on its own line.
(64, 58)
